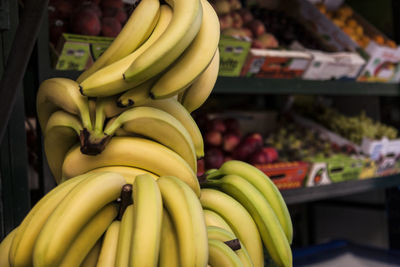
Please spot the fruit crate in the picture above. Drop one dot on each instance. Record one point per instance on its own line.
(233, 53)
(286, 175)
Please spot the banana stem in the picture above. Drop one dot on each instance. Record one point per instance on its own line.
(126, 199)
(112, 126)
(100, 118)
(234, 244)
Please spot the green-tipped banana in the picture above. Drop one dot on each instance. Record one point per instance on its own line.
(109, 80)
(187, 216)
(89, 235)
(109, 245)
(173, 107)
(72, 213)
(136, 152)
(222, 255)
(147, 220)
(223, 235)
(183, 28)
(194, 60)
(267, 188)
(135, 31)
(194, 97)
(238, 218)
(157, 125)
(268, 225)
(61, 93)
(62, 132)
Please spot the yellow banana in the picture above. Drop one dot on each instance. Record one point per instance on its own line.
(136, 152)
(169, 250)
(183, 28)
(61, 93)
(173, 107)
(214, 219)
(87, 237)
(215, 232)
(188, 218)
(5, 247)
(129, 173)
(222, 255)
(22, 246)
(147, 220)
(267, 188)
(124, 238)
(138, 95)
(135, 31)
(194, 97)
(62, 132)
(109, 245)
(109, 80)
(268, 225)
(238, 219)
(93, 255)
(78, 206)
(157, 125)
(184, 71)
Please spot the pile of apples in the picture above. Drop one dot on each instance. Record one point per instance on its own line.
(224, 140)
(87, 17)
(239, 22)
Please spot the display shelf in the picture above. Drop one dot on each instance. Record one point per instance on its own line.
(250, 85)
(309, 194)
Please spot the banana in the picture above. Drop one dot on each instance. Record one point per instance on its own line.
(173, 107)
(147, 220)
(89, 235)
(138, 95)
(24, 240)
(62, 132)
(136, 30)
(72, 213)
(264, 184)
(109, 80)
(93, 255)
(136, 152)
(129, 173)
(194, 97)
(268, 225)
(124, 238)
(183, 28)
(109, 245)
(5, 247)
(169, 251)
(222, 255)
(183, 72)
(106, 107)
(214, 232)
(238, 219)
(61, 93)
(188, 218)
(159, 126)
(214, 219)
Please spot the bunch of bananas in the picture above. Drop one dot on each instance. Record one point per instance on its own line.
(123, 146)
(122, 216)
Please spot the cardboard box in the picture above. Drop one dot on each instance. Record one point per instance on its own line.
(264, 63)
(233, 53)
(328, 66)
(78, 52)
(286, 175)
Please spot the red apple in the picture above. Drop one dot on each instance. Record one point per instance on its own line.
(86, 22)
(56, 29)
(232, 124)
(213, 138)
(213, 158)
(247, 146)
(110, 27)
(90, 5)
(200, 167)
(257, 27)
(105, 4)
(258, 157)
(63, 8)
(216, 124)
(271, 153)
(230, 141)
